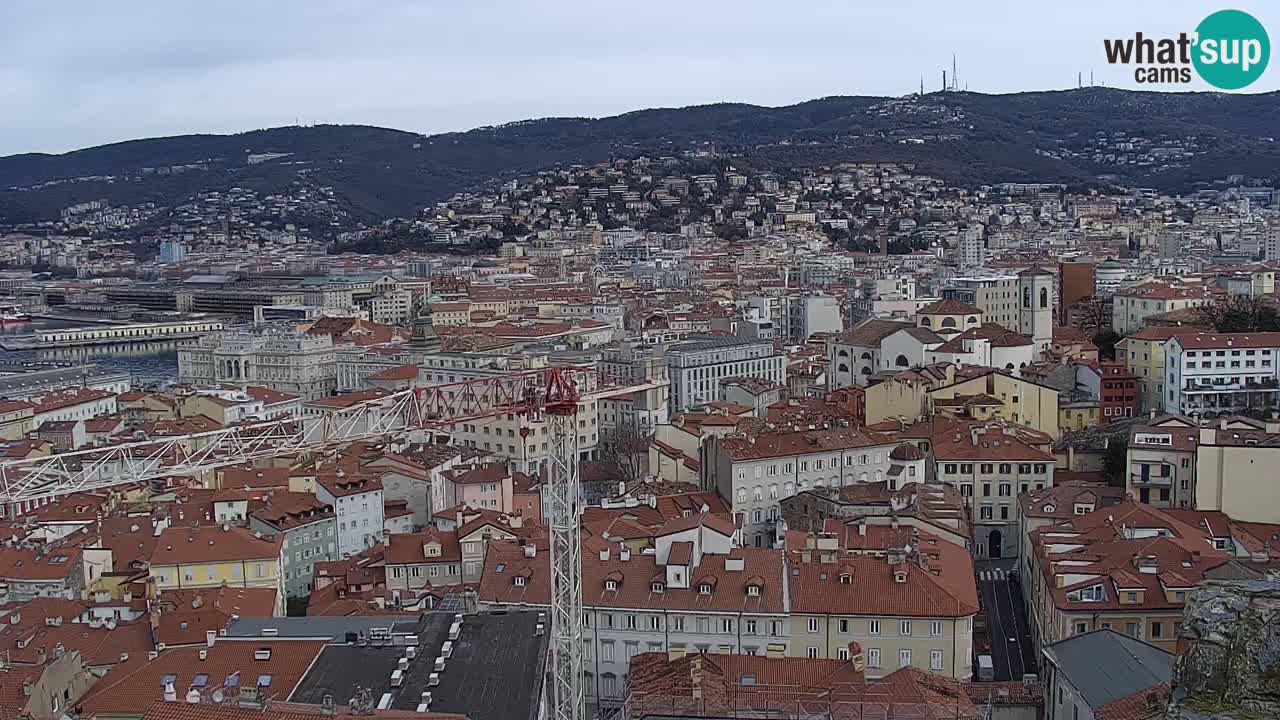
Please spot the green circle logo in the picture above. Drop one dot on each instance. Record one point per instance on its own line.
(1232, 49)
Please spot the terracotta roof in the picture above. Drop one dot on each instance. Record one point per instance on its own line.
(187, 615)
(906, 452)
(717, 686)
(872, 585)
(183, 546)
(949, 306)
(400, 372)
(350, 399)
(70, 398)
(133, 686)
(717, 523)
(411, 548)
(1104, 548)
(286, 510)
(45, 563)
(1227, 341)
(869, 333)
(782, 444)
(269, 396)
(634, 579)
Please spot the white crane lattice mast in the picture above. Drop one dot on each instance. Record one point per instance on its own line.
(564, 508)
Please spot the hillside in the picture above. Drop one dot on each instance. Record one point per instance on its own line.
(964, 137)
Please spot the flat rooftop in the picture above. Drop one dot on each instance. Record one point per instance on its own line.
(496, 670)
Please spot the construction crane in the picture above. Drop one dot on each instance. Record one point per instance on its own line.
(554, 394)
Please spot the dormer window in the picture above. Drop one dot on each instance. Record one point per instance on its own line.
(900, 576)
(753, 590)
(519, 581)
(611, 585)
(657, 587)
(704, 588)
(846, 579)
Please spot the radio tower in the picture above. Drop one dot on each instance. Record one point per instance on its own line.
(561, 403)
(955, 77)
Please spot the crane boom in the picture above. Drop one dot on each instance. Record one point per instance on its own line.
(397, 413)
(557, 392)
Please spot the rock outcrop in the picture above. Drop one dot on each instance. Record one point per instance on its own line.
(1228, 662)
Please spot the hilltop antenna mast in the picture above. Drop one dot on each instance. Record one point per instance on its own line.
(955, 76)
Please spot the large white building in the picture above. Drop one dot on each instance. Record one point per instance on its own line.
(357, 502)
(1213, 374)
(696, 367)
(796, 315)
(275, 356)
(754, 474)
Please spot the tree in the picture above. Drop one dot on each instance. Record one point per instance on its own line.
(1115, 463)
(625, 451)
(1106, 340)
(1093, 315)
(1240, 313)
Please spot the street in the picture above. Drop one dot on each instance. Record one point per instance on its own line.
(1012, 650)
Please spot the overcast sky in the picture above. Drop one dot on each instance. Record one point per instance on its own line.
(76, 73)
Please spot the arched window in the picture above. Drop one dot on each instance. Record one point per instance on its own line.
(866, 370)
(948, 322)
(973, 320)
(902, 361)
(1008, 366)
(843, 368)
(866, 356)
(925, 321)
(1044, 298)
(843, 354)
(1026, 297)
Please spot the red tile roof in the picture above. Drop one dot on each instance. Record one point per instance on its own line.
(783, 444)
(183, 546)
(133, 686)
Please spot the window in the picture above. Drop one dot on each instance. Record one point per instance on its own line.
(813, 625)
(873, 657)
(677, 623)
(935, 660)
(844, 625)
(842, 653)
(631, 622)
(749, 627)
(606, 651)
(1082, 628)
(873, 627)
(1157, 630)
(812, 652)
(904, 628)
(726, 625)
(935, 628)
(904, 658)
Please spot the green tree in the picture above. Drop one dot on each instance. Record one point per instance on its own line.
(1105, 340)
(1115, 462)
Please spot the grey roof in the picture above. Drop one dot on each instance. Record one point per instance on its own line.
(334, 628)
(495, 672)
(712, 342)
(1105, 666)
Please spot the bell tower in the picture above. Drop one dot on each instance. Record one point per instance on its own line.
(1035, 307)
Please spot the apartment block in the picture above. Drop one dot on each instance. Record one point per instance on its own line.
(1213, 374)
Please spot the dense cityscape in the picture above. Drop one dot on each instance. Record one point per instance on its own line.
(668, 435)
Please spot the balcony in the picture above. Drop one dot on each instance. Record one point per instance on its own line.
(1151, 480)
(1267, 385)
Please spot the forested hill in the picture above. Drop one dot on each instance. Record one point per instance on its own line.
(1173, 141)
